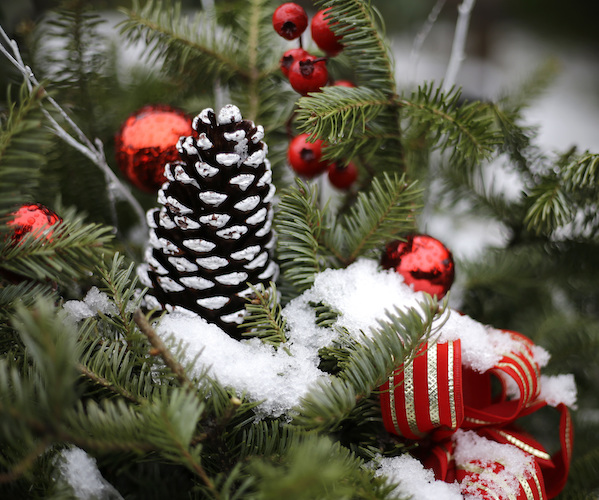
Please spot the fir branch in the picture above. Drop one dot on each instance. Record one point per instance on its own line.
(22, 146)
(198, 46)
(364, 45)
(94, 151)
(466, 130)
(264, 318)
(301, 228)
(340, 113)
(549, 207)
(71, 251)
(380, 215)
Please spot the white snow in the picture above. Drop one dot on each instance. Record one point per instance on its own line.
(558, 389)
(93, 303)
(474, 449)
(228, 114)
(413, 479)
(81, 473)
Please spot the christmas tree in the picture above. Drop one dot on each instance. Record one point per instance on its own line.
(149, 345)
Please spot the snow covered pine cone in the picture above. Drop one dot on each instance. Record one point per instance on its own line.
(213, 234)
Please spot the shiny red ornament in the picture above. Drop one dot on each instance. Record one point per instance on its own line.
(424, 262)
(33, 218)
(289, 20)
(322, 34)
(147, 141)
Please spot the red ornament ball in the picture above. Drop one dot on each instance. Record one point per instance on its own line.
(305, 157)
(308, 74)
(342, 176)
(322, 34)
(147, 141)
(33, 218)
(424, 262)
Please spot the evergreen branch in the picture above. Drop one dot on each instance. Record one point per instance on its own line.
(93, 151)
(198, 46)
(380, 215)
(582, 173)
(340, 113)
(70, 251)
(25, 464)
(364, 45)
(550, 207)
(301, 227)
(161, 349)
(372, 359)
(22, 146)
(465, 129)
(264, 318)
(107, 384)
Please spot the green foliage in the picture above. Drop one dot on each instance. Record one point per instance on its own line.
(264, 319)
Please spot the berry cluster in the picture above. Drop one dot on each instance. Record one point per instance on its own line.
(308, 73)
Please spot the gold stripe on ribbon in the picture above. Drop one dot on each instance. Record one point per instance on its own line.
(392, 404)
(503, 364)
(537, 483)
(527, 374)
(524, 446)
(408, 385)
(526, 487)
(450, 386)
(433, 386)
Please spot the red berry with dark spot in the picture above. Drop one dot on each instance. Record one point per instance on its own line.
(322, 34)
(308, 74)
(33, 218)
(342, 176)
(290, 57)
(289, 20)
(305, 157)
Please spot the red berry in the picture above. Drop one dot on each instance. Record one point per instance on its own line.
(289, 20)
(342, 177)
(308, 74)
(305, 157)
(32, 218)
(424, 262)
(290, 57)
(322, 34)
(343, 83)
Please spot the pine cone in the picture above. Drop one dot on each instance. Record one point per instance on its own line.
(213, 234)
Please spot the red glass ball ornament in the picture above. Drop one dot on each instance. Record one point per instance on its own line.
(424, 262)
(322, 34)
(305, 157)
(308, 74)
(342, 176)
(147, 140)
(32, 218)
(289, 57)
(289, 20)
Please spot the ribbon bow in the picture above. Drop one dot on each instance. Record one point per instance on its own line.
(431, 397)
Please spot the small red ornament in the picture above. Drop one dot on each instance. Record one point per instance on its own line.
(322, 34)
(343, 83)
(342, 176)
(32, 218)
(289, 20)
(424, 262)
(289, 57)
(147, 141)
(308, 74)
(305, 157)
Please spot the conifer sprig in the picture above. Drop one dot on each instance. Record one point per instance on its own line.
(264, 319)
(23, 144)
(73, 250)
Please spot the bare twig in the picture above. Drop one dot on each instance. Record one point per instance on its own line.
(82, 144)
(161, 349)
(459, 43)
(421, 37)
